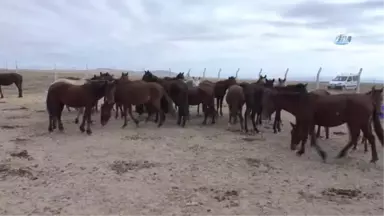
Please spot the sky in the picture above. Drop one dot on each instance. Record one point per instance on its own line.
(195, 34)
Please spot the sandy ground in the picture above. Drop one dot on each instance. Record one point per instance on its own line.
(204, 170)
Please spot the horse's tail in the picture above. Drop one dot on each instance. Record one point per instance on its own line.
(378, 127)
(171, 109)
(49, 103)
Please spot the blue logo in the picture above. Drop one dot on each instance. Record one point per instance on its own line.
(343, 39)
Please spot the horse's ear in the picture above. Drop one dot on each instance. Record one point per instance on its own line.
(101, 73)
(279, 79)
(292, 125)
(265, 76)
(273, 80)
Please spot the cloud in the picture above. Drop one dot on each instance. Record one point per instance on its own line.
(183, 34)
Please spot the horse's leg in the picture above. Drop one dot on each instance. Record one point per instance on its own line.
(229, 117)
(79, 112)
(367, 133)
(125, 116)
(217, 104)
(204, 109)
(253, 115)
(59, 112)
(1, 92)
(131, 115)
(89, 120)
(157, 106)
(198, 109)
(318, 131)
(239, 113)
(19, 88)
(354, 131)
(326, 132)
(221, 106)
(246, 116)
(212, 111)
(82, 129)
(117, 111)
(278, 121)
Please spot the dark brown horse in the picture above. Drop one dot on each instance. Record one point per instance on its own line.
(235, 99)
(177, 89)
(137, 92)
(204, 94)
(321, 92)
(274, 90)
(355, 110)
(269, 83)
(253, 94)
(7, 79)
(86, 95)
(220, 89)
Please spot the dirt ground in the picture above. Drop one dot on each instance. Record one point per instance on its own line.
(204, 170)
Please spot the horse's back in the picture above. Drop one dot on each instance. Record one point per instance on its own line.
(70, 81)
(207, 87)
(10, 78)
(235, 93)
(320, 92)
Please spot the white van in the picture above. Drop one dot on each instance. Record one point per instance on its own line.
(344, 81)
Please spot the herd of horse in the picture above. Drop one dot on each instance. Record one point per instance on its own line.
(174, 95)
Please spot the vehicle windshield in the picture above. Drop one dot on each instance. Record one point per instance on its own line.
(340, 78)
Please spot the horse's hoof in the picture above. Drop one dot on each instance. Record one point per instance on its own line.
(374, 160)
(89, 132)
(76, 121)
(124, 125)
(299, 153)
(82, 129)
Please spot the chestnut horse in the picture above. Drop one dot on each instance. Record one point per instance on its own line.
(220, 90)
(204, 94)
(137, 92)
(177, 89)
(355, 110)
(7, 79)
(86, 95)
(235, 99)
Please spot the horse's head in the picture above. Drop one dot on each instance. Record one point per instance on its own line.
(124, 76)
(105, 113)
(281, 82)
(269, 83)
(295, 136)
(180, 76)
(148, 76)
(262, 79)
(377, 97)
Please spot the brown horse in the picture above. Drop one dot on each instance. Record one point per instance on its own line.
(235, 99)
(177, 89)
(220, 89)
(137, 92)
(330, 111)
(7, 79)
(86, 95)
(204, 94)
(321, 92)
(268, 91)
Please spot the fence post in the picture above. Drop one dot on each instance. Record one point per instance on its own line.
(261, 70)
(286, 73)
(170, 71)
(358, 81)
(205, 69)
(189, 73)
(6, 65)
(218, 74)
(55, 72)
(16, 67)
(318, 78)
(237, 72)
